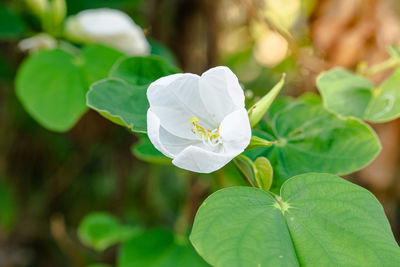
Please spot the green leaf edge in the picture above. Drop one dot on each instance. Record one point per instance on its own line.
(107, 114)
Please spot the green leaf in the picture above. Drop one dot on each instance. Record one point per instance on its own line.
(11, 25)
(318, 220)
(159, 49)
(264, 173)
(258, 173)
(50, 87)
(142, 70)
(146, 151)
(309, 138)
(8, 206)
(122, 98)
(123, 104)
(97, 61)
(101, 230)
(348, 94)
(157, 248)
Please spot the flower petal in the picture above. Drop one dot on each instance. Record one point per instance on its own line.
(235, 131)
(221, 91)
(104, 21)
(175, 100)
(197, 159)
(167, 143)
(153, 132)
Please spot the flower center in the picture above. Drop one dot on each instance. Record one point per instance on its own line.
(210, 137)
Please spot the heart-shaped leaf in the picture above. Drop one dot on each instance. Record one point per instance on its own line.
(50, 88)
(348, 94)
(309, 138)
(318, 220)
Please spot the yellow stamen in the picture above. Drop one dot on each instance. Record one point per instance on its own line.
(206, 135)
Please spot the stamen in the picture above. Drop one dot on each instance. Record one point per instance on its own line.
(207, 136)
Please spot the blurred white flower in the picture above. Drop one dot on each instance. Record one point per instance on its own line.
(198, 121)
(109, 27)
(38, 42)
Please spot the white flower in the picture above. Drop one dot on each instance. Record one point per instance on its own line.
(198, 121)
(38, 42)
(110, 27)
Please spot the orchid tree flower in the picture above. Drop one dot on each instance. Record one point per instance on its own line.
(109, 27)
(198, 121)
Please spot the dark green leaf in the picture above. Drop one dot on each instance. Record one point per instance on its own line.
(146, 151)
(11, 25)
(157, 248)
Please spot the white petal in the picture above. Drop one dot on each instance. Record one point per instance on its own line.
(175, 100)
(167, 143)
(153, 132)
(196, 159)
(235, 131)
(104, 21)
(113, 28)
(221, 91)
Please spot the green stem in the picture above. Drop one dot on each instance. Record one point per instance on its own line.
(386, 65)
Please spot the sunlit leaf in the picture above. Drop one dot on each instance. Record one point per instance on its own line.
(348, 94)
(318, 220)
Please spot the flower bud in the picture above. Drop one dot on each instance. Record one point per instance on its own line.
(109, 27)
(257, 111)
(38, 7)
(256, 142)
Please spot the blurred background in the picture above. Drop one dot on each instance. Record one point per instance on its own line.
(50, 181)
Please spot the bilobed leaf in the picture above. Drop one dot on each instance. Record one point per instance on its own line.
(11, 25)
(318, 220)
(309, 138)
(50, 87)
(97, 61)
(101, 230)
(157, 248)
(122, 97)
(146, 151)
(348, 94)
